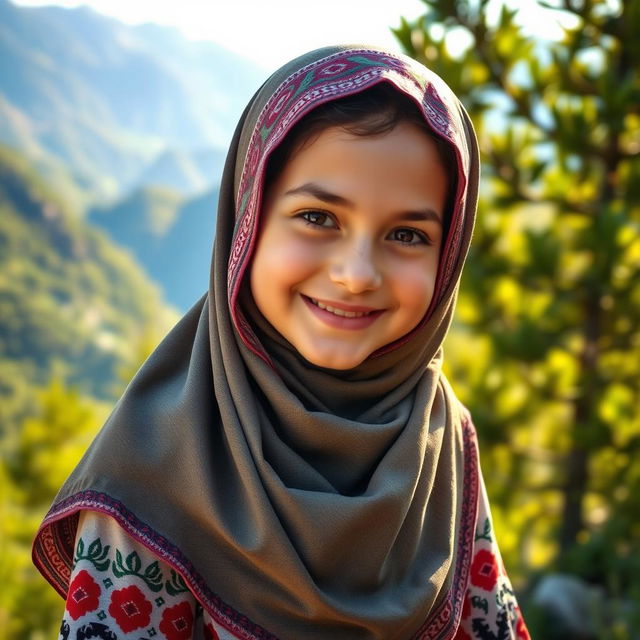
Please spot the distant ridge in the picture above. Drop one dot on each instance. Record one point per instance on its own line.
(109, 101)
(69, 298)
(170, 237)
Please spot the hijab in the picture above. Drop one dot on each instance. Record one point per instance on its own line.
(296, 501)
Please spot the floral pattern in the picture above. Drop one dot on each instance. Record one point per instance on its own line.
(130, 609)
(484, 570)
(121, 591)
(490, 610)
(177, 622)
(84, 594)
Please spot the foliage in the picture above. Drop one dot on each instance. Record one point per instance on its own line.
(77, 314)
(37, 459)
(546, 350)
(68, 298)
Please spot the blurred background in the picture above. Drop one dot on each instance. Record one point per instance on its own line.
(113, 127)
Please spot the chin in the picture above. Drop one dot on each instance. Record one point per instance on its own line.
(330, 361)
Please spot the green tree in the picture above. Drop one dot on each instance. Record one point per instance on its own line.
(546, 351)
(37, 459)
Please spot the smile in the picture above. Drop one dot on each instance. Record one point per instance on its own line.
(351, 318)
(340, 312)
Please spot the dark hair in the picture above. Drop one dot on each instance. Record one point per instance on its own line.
(372, 112)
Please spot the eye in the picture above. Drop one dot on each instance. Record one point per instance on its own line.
(409, 237)
(318, 219)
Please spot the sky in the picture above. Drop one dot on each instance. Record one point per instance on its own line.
(269, 32)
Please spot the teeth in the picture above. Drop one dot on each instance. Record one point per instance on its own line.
(340, 312)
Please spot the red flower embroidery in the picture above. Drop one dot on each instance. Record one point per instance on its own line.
(484, 570)
(177, 622)
(210, 633)
(130, 609)
(521, 628)
(83, 595)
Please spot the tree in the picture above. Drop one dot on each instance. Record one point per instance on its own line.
(549, 313)
(37, 458)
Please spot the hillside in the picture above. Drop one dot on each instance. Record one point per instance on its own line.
(170, 236)
(72, 304)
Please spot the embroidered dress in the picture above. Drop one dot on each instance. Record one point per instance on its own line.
(292, 501)
(119, 589)
(491, 611)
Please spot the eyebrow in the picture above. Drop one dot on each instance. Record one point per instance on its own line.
(315, 190)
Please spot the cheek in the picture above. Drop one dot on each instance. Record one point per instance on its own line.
(414, 289)
(282, 263)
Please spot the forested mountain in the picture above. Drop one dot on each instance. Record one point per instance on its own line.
(128, 123)
(78, 315)
(109, 101)
(71, 302)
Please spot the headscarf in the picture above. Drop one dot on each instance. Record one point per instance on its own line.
(296, 501)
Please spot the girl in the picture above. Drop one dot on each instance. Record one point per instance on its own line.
(290, 462)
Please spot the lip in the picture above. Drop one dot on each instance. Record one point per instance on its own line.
(339, 321)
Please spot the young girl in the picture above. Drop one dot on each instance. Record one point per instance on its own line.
(291, 462)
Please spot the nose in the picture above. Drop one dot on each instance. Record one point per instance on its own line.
(355, 268)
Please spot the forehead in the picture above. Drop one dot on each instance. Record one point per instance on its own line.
(400, 165)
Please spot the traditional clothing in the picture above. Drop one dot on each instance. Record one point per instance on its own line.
(287, 500)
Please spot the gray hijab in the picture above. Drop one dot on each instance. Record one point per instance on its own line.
(296, 502)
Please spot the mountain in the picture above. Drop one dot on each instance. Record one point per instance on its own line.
(70, 301)
(186, 172)
(169, 235)
(109, 101)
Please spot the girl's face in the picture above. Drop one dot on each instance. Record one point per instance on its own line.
(348, 251)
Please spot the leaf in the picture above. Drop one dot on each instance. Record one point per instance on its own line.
(134, 564)
(153, 576)
(362, 60)
(118, 565)
(152, 571)
(95, 548)
(176, 585)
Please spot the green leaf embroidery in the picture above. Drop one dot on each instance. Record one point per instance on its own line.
(97, 554)
(504, 596)
(176, 585)
(132, 566)
(486, 533)
(134, 563)
(265, 131)
(153, 570)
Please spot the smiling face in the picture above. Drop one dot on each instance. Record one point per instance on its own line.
(350, 238)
